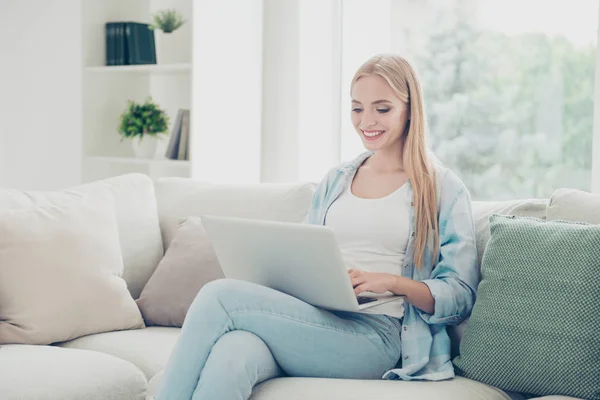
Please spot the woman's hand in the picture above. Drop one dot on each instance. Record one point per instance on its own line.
(375, 282)
(415, 292)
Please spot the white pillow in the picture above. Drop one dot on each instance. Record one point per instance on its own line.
(137, 219)
(60, 273)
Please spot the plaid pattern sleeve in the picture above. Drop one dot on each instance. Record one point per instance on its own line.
(318, 201)
(453, 281)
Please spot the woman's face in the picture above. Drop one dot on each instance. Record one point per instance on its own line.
(378, 115)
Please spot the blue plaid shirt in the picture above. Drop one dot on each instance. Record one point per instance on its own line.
(452, 280)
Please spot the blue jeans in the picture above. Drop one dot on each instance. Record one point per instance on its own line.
(237, 334)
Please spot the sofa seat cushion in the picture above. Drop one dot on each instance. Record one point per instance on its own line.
(554, 398)
(147, 348)
(326, 389)
(29, 372)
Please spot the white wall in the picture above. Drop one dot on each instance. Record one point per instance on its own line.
(301, 64)
(319, 103)
(227, 91)
(255, 118)
(3, 162)
(279, 161)
(40, 94)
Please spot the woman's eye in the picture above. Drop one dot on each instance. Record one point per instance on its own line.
(356, 110)
(383, 110)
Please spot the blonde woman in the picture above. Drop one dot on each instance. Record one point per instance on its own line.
(404, 225)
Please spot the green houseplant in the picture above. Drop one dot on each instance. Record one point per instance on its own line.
(167, 21)
(143, 123)
(172, 43)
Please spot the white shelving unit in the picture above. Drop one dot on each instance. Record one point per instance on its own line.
(149, 68)
(107, 89)
(139, 161)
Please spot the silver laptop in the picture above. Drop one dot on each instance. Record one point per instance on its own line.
(301, 260)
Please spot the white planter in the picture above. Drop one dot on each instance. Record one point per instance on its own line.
(170, 47)
(144, 146)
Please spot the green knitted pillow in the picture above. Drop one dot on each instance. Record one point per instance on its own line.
(535, 327)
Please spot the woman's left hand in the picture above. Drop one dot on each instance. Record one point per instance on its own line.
(375, 282)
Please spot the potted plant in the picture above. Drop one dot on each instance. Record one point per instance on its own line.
(143, 124)
(170, 46)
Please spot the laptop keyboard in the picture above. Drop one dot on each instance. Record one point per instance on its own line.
(365, 299)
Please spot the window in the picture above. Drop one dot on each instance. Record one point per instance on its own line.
(508, 87)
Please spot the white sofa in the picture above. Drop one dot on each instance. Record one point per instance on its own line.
(126, 365)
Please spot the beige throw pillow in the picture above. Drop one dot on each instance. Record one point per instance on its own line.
(574, 205)
(60, 273)
(189, 263)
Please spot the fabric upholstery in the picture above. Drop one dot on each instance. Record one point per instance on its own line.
(534, 328)
(482, 210)
(574, 205)
(50, 373)
(329, 389)
(190, 263)
(178, 198)
(60, 273)
(135, 203)
(148, 349)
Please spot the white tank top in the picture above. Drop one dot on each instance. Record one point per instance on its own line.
(373, 235)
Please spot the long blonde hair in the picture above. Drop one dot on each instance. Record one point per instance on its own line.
(403, 79)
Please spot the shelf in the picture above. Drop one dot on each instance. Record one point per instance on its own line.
(145, 68)
(139, 161)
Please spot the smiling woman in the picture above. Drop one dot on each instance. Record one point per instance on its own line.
(383, 209)
(374, 116)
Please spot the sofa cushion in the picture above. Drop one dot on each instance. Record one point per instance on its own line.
(189, 263)
(178, 198)
(534, 327)
(148, 348)
(554, 398)
(135, 203)
(574, 205)
(348, 389)
(154, 385)
(482, 210)
(51, 373)
(325, 389)
(60, 273)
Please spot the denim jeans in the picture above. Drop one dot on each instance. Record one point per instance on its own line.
(237, 334)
